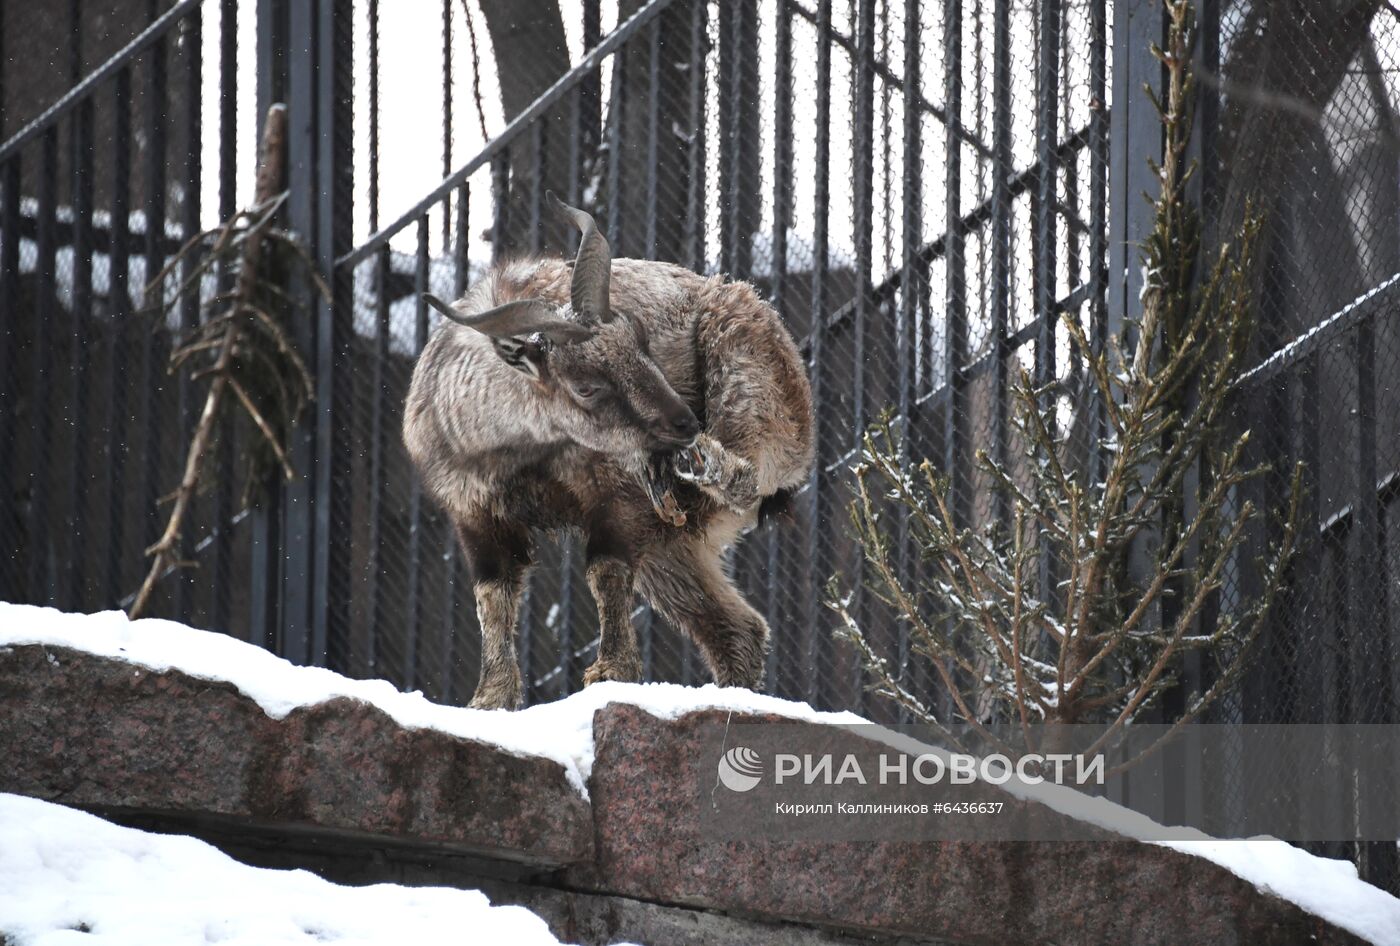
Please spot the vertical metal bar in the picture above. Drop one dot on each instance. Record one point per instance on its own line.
(11, 581)
(782, 220)
(816, 486)
(653, 110)
(189, 225)
(539, 157)
(695, 156)
(222, 552)
(4, 77)
(731, 24)
(373, 116)
(500, 203)
(461, 248)
(957, 457)
(81, 196)
(1136, 136)
(452, 554)
(265, 599)
(862, 117)
(1098, 210)
(446, 110)
(40, 483)
(782, 154)
(75, 42)
(911, 288)
(152, 353)
(80, 342)
(300, 497)
(119, 301)
(955, 300)
(590, 89)
(1367, 526)
(1043, 197)
(415, 503)
(1043, 239)
(1373, 656)
(617, 114)
(335, 146)
(1001, 235)
(378, 435)
(863, 324)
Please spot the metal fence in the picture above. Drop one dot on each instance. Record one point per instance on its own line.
(921, 190)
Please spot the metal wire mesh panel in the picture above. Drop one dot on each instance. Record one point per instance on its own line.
(103, 183)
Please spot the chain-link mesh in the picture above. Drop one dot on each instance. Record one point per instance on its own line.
(95, 429)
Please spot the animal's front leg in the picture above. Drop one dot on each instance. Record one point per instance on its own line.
(612, 582)
(497, 606)
(722, 473)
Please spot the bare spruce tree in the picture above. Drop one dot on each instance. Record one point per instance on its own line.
(1041, 619)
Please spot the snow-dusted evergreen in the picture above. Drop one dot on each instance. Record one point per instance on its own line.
(1079, 605)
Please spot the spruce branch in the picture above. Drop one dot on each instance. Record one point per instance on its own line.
(242, 347)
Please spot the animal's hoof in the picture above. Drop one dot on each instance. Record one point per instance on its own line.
(496, 696)
(701, 463)
(623, 671)
(726, 476)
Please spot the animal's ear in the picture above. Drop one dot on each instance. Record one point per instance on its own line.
(517, 320)
(526, 355)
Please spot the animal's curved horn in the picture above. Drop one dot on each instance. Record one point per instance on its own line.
(514, 319)
(592, 266)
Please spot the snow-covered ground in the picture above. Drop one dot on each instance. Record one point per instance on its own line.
(563, 732)
(69, 877)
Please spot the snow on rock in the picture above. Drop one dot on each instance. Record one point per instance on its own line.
(563, 732)
(67, 876)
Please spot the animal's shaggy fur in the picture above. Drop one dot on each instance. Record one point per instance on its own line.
(508, 449)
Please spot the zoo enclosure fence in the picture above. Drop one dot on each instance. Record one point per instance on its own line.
(922, 190)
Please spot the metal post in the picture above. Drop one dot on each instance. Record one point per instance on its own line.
(12, 582)
(152, 349)
(955, 301)
(40, 532)
(816, 640)
(695, 163)
(80, 341)
(189, 225)
(911, 291)
(1001, 237)
(222, 552)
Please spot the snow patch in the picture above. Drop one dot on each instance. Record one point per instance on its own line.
(67, 876)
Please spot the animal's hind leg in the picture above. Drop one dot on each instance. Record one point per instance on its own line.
(500, 559)
(758, 412)
(687, 584)
(612, 579)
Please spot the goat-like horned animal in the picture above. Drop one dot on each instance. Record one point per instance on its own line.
(653, 411)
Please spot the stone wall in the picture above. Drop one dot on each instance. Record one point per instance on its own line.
(341, 789)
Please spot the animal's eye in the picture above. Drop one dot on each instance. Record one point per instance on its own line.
(586, 390)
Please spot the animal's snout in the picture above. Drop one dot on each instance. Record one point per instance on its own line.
(679, 427)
